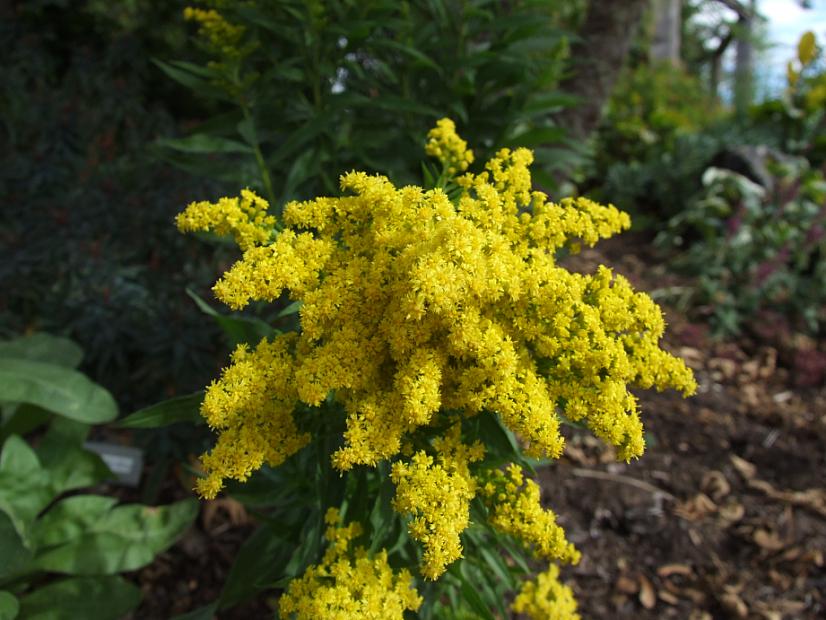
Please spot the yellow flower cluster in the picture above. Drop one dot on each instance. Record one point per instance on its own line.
(438, 492)
(349, 584)
(546, 598)
(245, 218)
(413, 305)
(515, 509)
(251, 406)
(444, 144)
(222, 35)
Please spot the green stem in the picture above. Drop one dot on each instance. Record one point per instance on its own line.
(262, 167)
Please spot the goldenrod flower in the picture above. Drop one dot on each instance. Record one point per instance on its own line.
(223, 36)
(244, 218)
(414, 304)
(349, 584)
(545, 598)
(438, 493)
(444, 144)
(515, 509)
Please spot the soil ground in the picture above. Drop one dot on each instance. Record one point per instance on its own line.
(723, 517)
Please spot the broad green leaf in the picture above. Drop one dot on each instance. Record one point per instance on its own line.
(101, 598)
(18, 458)
(13, 551)
(25, 487)
(57, 389)
(43, 348)
(9, 606)
(203, 143)
(24, 419)
(85, 535)
(68, 464)
(179, 409)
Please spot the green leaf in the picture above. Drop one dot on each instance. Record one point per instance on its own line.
(186, 74)
(300, 137)
(178, 409)
(101, 598)
(86, 535)
(470, 592)
(24, 420)
(9, 606)
(807, 48)
(499, 440)
(25, 487)
(207, 612)
(43, 348)
(239, 329)
(293, 308)
(537, 137)
(68, 464)
(205, 144)
(16, 556)
(414, 53)
(56, 389)
(258, 562)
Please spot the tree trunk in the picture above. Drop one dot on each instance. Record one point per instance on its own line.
(665, 46)
(597, 57)
(744, 67)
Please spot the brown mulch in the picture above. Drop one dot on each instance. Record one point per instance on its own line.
(723, 517)
(725, 514)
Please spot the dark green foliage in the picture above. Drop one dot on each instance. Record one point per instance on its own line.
(87, 242)
(315, 89)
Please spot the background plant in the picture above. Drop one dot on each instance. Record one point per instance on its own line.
(85, 244)
(301, 91)
(755, 249)
(62, 553)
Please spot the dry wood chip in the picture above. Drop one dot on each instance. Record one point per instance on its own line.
(626, 585)
(715, 484)
(234, 510)
(667, 570)
(746, 469)
(770, 541)
(731, 602)
(648, 596)
(812, 499)
(696, 508)
(732, 511)
(665, 595)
